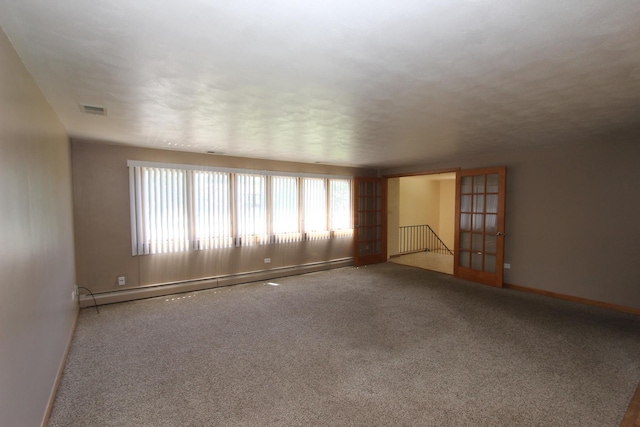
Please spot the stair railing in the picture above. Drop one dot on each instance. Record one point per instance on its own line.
(418, 238)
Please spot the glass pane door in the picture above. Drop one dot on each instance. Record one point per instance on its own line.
(480, 225)
(370, 221)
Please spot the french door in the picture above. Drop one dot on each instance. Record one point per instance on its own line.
(370, 221)
(479, 243)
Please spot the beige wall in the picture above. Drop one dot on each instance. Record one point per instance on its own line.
(103, 230)
(393, 216)
(36, 245)
(419, 199)
(447, 211)
(571, 218)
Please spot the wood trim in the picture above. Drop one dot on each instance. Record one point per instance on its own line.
(54, 389)
(433, 172)
(610, 306)
(632, 416)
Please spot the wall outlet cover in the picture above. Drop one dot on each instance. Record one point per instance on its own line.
(267, 260)
(121, 281)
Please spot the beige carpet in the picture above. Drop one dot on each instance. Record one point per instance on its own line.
(381, 345)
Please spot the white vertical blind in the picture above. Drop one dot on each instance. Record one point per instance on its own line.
(161, 210)
(315, 208)
(251, 209)
(340, 217)
(211, 210)
(284, 209)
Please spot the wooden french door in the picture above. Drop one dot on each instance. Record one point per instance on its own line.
(370, 221)
(479, 242)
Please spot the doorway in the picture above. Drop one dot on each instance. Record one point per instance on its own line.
(421, 221)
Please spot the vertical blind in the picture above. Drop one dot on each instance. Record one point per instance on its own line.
(315, 208)
(211, 210)
(251, 209)
(340, 214)
(176, 209)
(285, 220)
(160, 211)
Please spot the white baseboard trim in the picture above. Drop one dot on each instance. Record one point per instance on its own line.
(163, 289)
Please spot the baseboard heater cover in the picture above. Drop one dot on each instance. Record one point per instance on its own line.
(150, 291)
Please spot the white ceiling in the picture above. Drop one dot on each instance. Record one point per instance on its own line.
(385, 83)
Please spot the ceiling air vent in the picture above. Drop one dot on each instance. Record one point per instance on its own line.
(93, 109)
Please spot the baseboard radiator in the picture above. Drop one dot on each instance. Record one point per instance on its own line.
(162, 289)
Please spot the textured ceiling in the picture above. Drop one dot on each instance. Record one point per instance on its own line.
(348, 82)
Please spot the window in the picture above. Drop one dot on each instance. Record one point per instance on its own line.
(340, 216)
(284, 209)
(160, 216)
(179, 207)
(211, 210)
(315, 208)
(251, 209)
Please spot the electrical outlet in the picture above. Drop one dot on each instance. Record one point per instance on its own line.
(121, 281)
(267, 260)
(507, 265)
